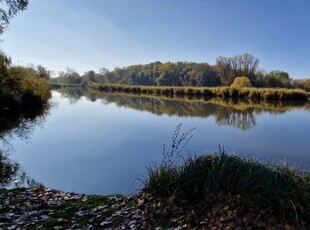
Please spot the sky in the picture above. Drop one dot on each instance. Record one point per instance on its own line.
(91, 34)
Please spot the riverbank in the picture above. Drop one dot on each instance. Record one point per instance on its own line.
(43, 208)
(214, 191)
(223, 92)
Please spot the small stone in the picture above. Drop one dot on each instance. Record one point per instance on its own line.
(44, 217)
(105, 223)
(133, 222)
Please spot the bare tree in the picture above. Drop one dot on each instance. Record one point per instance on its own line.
(224, 69)
(240, 65)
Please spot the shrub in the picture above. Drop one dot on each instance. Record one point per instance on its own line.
(189, 91)
(207, 92)
(24, 93)
(241, 82)
(233, 92)
(179, 91)
(197, 92)
(225, 91)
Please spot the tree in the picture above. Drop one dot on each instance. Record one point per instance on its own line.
(72, 77)
(103, 70)
(306, 84)
(302, 84)
(240, 65)
(43, 72)
(259, 78)
(203, 75)
(9, 8)
(164, 79)
(278, 79)
(68, 77)
(224, 70)
(5, 62)
(89, 76)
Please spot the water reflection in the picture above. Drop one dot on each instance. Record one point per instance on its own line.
(239, 114)
(20, 125)
(12, 176)
(72, 94)
(241, 120)
(16, 125)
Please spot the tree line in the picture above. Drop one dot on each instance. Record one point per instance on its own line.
(223, 73)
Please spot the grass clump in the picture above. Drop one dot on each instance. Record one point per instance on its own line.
(279, 189)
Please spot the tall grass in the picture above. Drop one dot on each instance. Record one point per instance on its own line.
(224, 92)
(276, 187)
(202, 175)
(198, 179)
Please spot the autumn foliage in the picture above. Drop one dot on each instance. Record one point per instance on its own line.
(241, 82)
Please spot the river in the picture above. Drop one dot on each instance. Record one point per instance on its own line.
(100, 143)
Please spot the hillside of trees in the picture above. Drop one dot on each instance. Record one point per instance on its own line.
(157, 73)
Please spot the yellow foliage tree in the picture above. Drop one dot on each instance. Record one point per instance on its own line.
(241, 82)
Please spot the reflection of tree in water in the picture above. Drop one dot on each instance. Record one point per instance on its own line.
(16, 125)
(8, 170)
(72, 94)
(20, 125)
(11, 174)
(92, 97)
(241, 120)
(236, 113)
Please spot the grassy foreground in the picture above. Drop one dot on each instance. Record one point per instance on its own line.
(265, 190)
(225, 92)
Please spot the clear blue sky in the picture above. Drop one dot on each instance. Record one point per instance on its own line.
(90, 34)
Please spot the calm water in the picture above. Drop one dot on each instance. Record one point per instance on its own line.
(102, 143)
